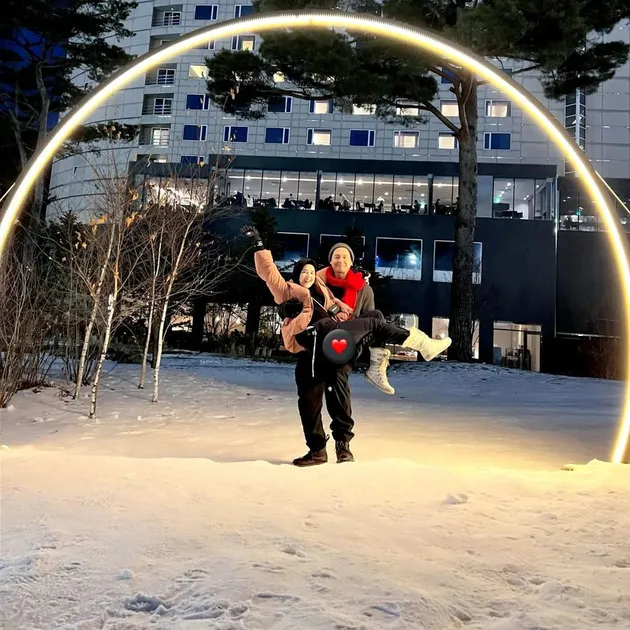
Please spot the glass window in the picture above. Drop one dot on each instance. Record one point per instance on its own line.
(327, 191)
(345, 191)
(449, 76)
(320, 137)
(307, 189)
(420, 194)
(196, 71)
(443, 261)
(364, 192)
(241, 10)
(277, 135)
(498, 109)
(243, 42)
(321, 107)
(289, 189)
(235, 134)
(288, 248)
(362, 138)
(447, 140)
(271, 187)
(165, 76)
(439, 330)
(191, 159)
(503, 198)
(443, 199)
(253, 186)
(408, 110)
(517, 345)
(383, 189)
(363, 110)
(195, 132)
(160, 136)
(197, 101)
(278, 77)
(497, 141)
(206, 12)
(279, 104)
(524, 199)
(542, 199)
(400, 258)
(449, 109)
(406, 139)
(403, 192)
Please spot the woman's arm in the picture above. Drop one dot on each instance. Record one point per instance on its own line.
(267, 271)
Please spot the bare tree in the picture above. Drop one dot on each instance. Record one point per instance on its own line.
(182, 258)
(26, 320)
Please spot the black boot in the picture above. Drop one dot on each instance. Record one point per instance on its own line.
(344, 454)
(312, 458)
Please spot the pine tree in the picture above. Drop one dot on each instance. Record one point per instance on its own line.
(44, 46)
(558, 38)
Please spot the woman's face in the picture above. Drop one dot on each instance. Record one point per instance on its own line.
(307, 276)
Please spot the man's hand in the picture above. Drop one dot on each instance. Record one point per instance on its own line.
(251, 233)
(345, 309)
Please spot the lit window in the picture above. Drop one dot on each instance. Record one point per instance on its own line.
(498, 109)
(447, 141)
(320, 137)
(408, 111)
(160, 136)
(406, 139)
(363, 110)
(449, 109)
(362, 138)
(206, 12)
(243, 42)
(278, 77)
(197, 72)
(321, 107)
(497, 141)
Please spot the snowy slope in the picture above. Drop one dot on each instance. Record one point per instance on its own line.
(176, 515)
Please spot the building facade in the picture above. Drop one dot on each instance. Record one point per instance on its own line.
(324, 170)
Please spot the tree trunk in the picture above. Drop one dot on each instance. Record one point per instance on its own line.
(158, 355)
(111, 301)
(461, 317)
(147, 343)
(95, 306)
(42, 133)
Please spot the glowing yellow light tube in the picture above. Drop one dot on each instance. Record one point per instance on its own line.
(426, 42)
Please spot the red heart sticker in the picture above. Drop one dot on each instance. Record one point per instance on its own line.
(339, 345)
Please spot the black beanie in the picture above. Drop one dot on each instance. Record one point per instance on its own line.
(299, 265)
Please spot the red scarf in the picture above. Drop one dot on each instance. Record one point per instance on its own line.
(351, 286)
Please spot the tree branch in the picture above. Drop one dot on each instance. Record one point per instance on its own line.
(430, 107)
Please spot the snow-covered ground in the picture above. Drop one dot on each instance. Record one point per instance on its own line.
(183, 514)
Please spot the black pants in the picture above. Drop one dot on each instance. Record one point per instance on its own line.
(372, 329)
(329, 381)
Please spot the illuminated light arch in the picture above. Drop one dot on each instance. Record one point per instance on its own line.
(425, 41)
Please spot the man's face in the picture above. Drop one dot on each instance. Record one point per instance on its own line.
(307, 276)
(341, 262)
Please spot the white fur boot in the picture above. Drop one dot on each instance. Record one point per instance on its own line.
(422, 343)
(377, 372)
